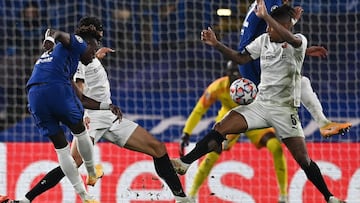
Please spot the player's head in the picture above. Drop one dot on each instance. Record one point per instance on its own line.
(232, 71)
(92, 38)
(282, 15)
(91, 20)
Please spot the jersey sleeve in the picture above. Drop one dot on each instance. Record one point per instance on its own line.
(80, 72)
(254, 48)
(77, 44)
(301, 49)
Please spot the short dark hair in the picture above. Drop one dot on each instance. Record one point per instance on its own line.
(88, 32)
(91, 20)
(283, 13)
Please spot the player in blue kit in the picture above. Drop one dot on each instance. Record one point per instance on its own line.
(253, 27)
(92, 79)
(54, 98)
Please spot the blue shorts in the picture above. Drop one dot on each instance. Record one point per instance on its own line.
(52, 104)
(251, 71)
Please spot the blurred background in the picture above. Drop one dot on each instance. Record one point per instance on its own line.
(161, 67)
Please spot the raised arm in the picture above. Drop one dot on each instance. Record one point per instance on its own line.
(282, 31)
(58, 35)
(208, 37)
(101, 53)
(316, 51)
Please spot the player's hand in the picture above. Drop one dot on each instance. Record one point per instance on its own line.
(87, 122)
(116, 111)
(101, 53)
(49, 32)
(298, 12)
(208, 36)
(184, 142)
(316, 51)
(260, 9)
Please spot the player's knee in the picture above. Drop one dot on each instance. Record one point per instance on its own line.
(268, 136)
(216, 126)
(303, 163)
(302, 159)
(77, 128)
(274, 146)
(159, 149)
(219, 127)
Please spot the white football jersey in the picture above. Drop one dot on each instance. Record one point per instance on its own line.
(97, 84)
(97, 87)
(281, 63)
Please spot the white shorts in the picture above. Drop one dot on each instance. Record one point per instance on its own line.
(285, 120)
(102, 126)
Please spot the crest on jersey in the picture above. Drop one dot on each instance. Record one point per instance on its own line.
(273, 8)
(79, 39)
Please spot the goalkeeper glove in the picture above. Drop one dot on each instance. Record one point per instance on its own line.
(184, 142)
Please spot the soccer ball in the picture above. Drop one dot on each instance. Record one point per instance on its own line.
(243, 91)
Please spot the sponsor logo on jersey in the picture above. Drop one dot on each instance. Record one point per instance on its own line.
(273, 8)
(79, 39)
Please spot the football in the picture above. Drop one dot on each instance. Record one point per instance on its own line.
(243, 91)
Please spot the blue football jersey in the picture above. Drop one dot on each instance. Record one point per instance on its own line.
(253, 27)
(59, 65)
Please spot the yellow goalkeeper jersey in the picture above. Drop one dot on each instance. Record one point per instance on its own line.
(218, 90)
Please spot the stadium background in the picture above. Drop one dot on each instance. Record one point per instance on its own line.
(160, 68)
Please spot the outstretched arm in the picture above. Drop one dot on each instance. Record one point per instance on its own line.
(208, 36)
(316, 51)
(101, 53)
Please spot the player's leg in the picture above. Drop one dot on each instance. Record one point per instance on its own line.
(68, 165)
(297, 148)
(72, 116)
(203, 172)
(85, 149)
(266, 138)
(43, 106)
(142, 141)
(288, 127)
(208, 163)
(232, 123)
(52, 178)
(130, 135)
(311, 102)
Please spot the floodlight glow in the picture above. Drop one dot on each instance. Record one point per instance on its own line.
(223, 12)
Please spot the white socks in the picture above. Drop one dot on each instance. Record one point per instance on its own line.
(311, 102)
(69, 168)
(86, 150)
